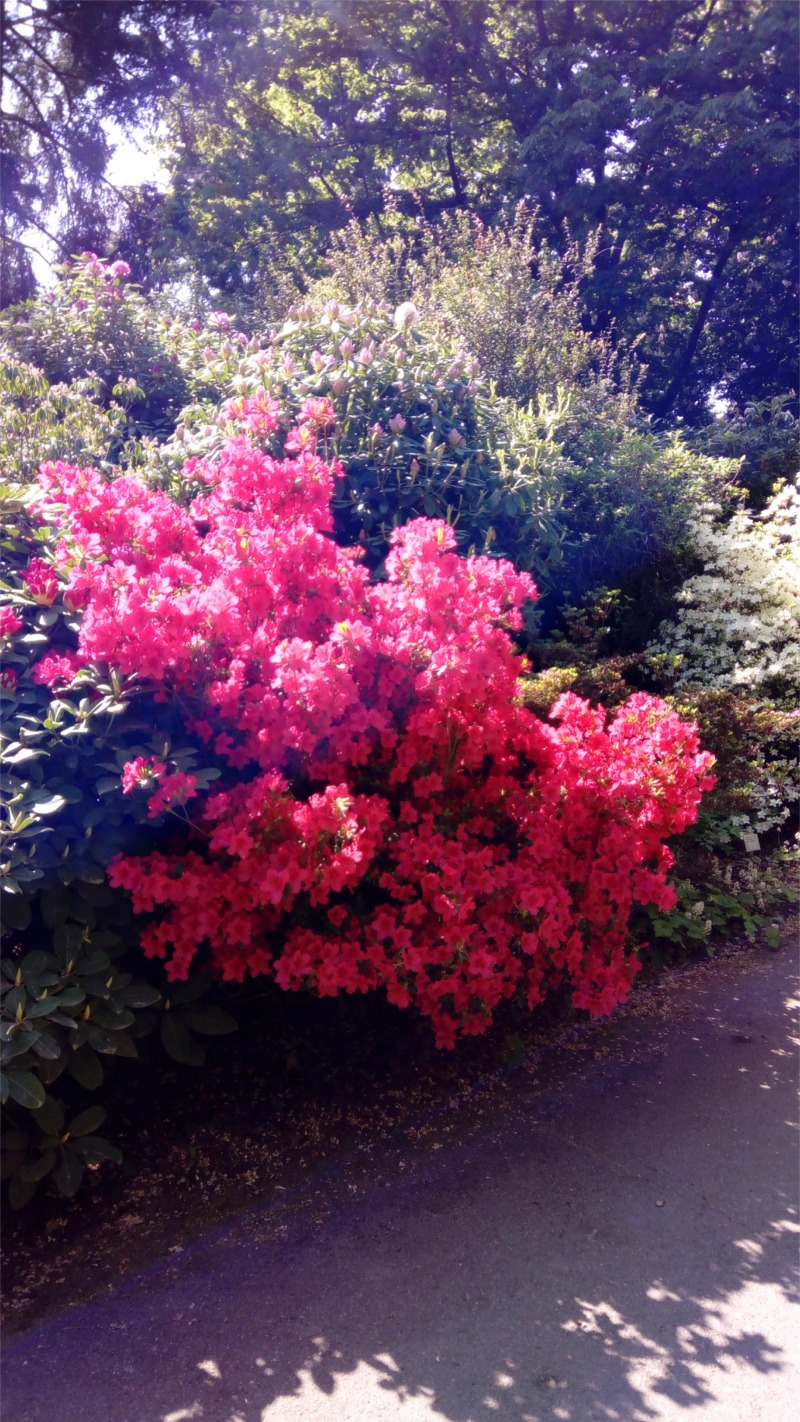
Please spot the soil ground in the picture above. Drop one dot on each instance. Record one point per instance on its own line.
(594, 1221)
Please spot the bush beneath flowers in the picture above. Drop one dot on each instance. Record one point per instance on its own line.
(391, 816)
(327, 764)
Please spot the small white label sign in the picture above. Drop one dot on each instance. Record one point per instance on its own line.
(751, 843)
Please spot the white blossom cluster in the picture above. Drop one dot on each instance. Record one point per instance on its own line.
(739, 622)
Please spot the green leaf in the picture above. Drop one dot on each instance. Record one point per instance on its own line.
(54, 906)
(125, 1045)
(44, 1007)
(112, 1021)
(88, 1121)
(46, 1046)
(20, 1192)
(141, 995)
(67, 940)
(95, 1148)
(71, 996)
(36, 1169)
(189, 991)
(49, 806)
(25, 1088)
(101, 1040)
(68, 1173)
(34, 964)
(93, 963)
(15, 999)
(17, 1045)
(16, 913)
(210, 1021)
(50, 1071)
(177, 1041)
(107, 784)
(85, 1067)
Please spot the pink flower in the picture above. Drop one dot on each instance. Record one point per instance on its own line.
(397, 424)
(137, 774)
(55, 671)
(317, 412)
(375, 750)
(41, 583)
(9, 622)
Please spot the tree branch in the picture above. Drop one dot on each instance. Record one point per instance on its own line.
(673, 390)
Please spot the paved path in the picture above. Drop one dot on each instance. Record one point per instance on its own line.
(615, 1244)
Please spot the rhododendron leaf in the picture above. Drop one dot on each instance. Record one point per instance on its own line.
(210, 1021)
(46, 1006)
(16, 913)
(38, 1167)
(86, 1068)
(93, 964)
(50, 1116)
(101, 1039)
(49, 806)
(112, 1021)
(87, 1121)
(108, 784)
(50, 1071)
(177, 1041)
(68, 1173)
(141, 995)
(24, 1088)
(95, 1148)
(67, 938)
(193, 988)
(20, 1192)
(16, 1046)
(46, 1046)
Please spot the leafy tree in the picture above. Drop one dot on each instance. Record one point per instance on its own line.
(670, 127)
(69, 69)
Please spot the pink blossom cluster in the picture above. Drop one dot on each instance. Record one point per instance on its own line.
(41, 582)
(393, 818)
(10, 623)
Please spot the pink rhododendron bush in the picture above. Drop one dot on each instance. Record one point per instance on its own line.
(390, 815)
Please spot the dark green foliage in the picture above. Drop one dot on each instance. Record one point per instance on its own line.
(765, 436)
(71, 1004)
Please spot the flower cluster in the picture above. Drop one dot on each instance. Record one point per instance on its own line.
(738, 620)
(393, 816)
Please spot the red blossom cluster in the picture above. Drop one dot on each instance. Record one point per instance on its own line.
(393, 816)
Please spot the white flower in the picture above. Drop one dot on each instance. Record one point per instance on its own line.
(405, 316)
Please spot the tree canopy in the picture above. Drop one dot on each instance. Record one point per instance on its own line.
(669, 128)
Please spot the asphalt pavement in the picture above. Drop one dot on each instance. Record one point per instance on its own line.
(612, 1237)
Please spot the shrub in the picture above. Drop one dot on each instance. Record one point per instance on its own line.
(41, 421)
(501, 292)
(68, 938)
(391, 815)
(757, 764)
(737, 624)
(97, 340)
(765, 437)
(412, 431)
(716, 897)
(419, 433)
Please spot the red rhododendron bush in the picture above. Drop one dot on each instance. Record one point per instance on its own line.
(391, 816)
